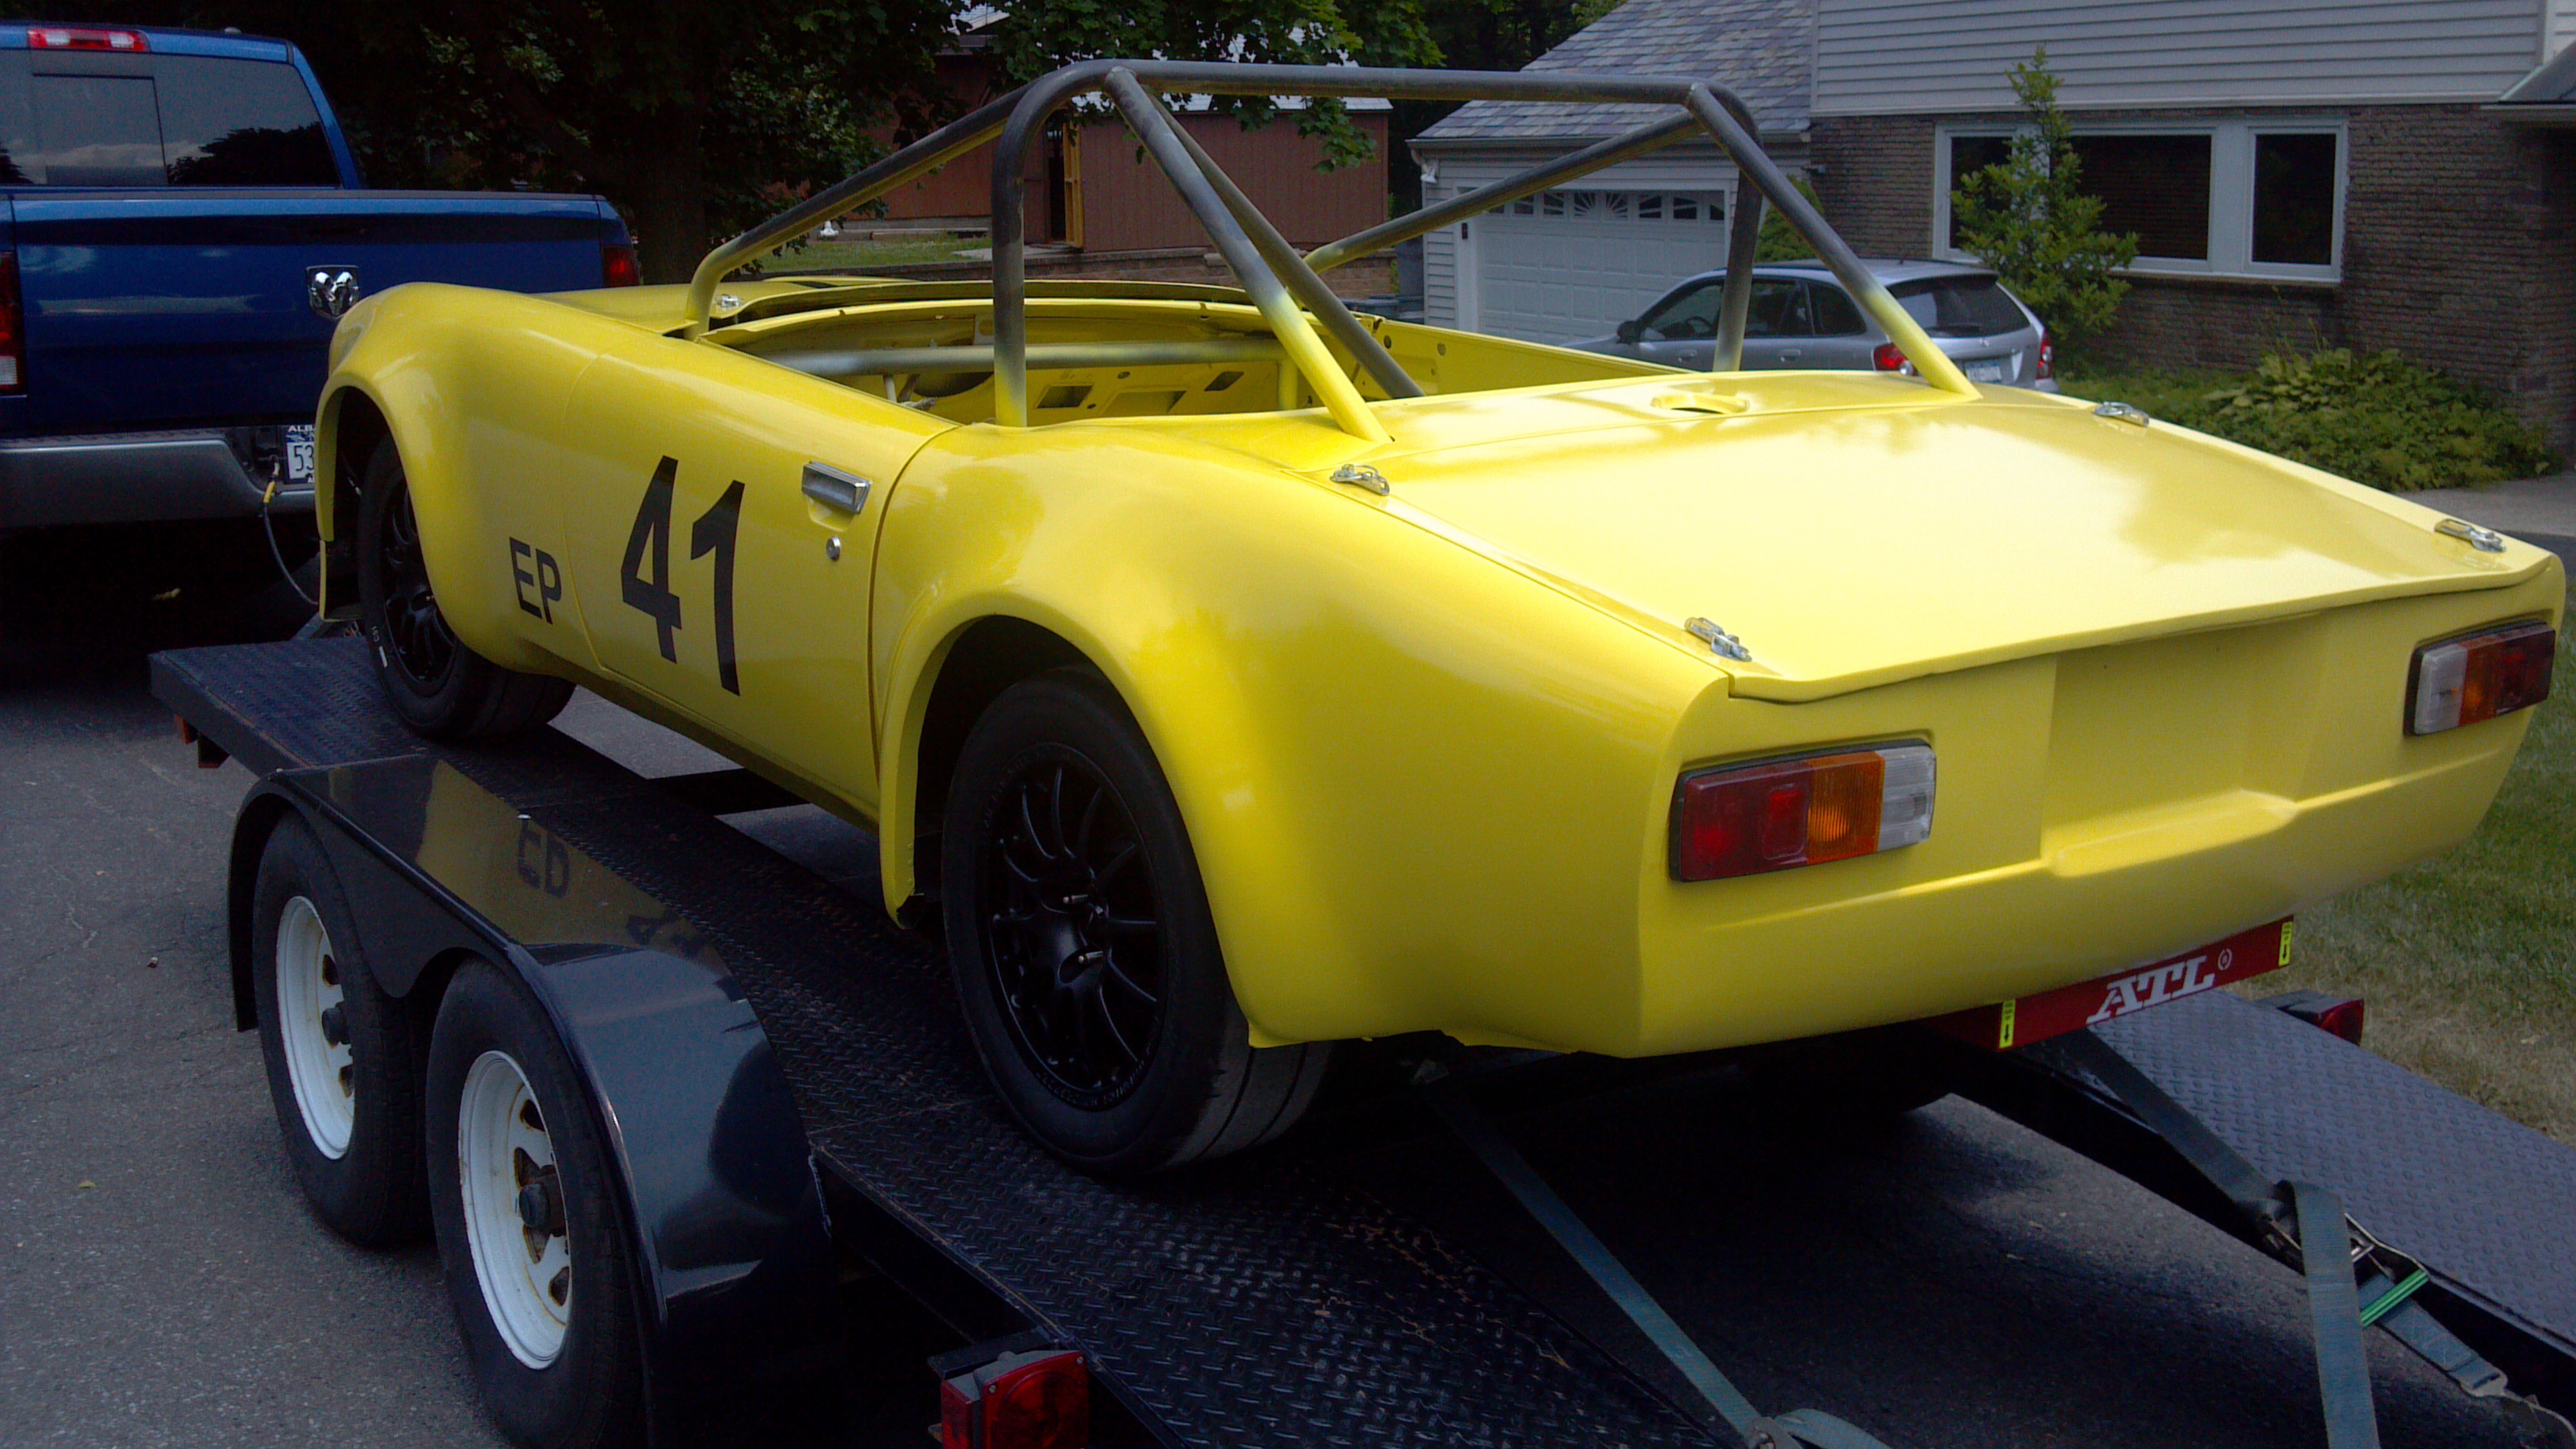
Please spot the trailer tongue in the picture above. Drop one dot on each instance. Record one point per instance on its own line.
(782, 1086)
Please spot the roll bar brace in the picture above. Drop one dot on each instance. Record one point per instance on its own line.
(1285, 287)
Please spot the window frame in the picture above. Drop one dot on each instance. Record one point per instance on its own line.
(2231, 192)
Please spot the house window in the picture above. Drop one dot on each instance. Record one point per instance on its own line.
(2233, 198)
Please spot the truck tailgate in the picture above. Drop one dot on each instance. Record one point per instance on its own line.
(160, 307)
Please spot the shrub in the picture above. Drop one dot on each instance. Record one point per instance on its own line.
(2374, 418)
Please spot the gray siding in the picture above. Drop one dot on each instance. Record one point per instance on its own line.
(2561, 28)
(1889, 57)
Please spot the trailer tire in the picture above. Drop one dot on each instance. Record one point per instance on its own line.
(440, 687)
(340, 1052)
(1045, 994)
(529, 1231)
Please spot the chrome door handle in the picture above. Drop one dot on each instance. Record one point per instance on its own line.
(847, 492)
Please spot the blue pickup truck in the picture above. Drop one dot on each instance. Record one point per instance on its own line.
(181, 221)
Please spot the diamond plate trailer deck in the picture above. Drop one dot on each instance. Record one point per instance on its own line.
(786, 1087)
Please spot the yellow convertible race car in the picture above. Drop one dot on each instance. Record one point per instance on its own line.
(1232, 675)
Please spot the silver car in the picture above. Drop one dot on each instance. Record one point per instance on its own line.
(1801, 317)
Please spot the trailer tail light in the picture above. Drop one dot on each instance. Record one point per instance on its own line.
(2047, 365)
(2479, 676)
(617, 265)
(1038, 1399)
(13, 328)
(1749, 819)
(1887, 357)
(61, 37)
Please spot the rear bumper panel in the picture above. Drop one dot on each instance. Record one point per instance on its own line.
(130, 478)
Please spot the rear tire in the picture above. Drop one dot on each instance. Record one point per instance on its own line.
(440, 687)
(528, 1233)
(340, 1052)
(1086, 959)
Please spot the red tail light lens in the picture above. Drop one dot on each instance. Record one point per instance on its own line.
(2477, 677)
(1780, 814)
(1886, 358)
(61, 37)
(2047, 357)
(13, 328)
(618, 266)
(1038, 1400)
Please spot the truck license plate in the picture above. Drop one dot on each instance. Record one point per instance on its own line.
(299, 453)
(2010, 1024)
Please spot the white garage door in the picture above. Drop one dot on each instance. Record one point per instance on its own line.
(1562, 266)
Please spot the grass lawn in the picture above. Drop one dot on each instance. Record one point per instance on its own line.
(860, 256)
(2469, 960)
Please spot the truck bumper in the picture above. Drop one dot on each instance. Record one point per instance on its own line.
(133, 478)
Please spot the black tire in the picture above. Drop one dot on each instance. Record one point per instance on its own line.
(357, 1149)
(1086, 959)
(440, 687)
(589, 1389)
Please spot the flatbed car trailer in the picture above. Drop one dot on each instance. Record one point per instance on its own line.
(790, 1105)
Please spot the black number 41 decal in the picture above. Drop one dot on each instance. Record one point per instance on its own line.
(651, 542)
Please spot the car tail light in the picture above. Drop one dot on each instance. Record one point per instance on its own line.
(1039, 1399)
(2479, 676)
(61, 37)
(617, 265)
(1748, 819)
(2047, 356)
(13, 328)
(1887, 357)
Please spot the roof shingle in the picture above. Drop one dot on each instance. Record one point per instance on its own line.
(1764, 49)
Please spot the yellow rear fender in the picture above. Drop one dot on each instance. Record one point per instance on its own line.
(1333, 693)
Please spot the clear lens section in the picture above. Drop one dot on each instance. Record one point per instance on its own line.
(1905, 801)
(2438, 675)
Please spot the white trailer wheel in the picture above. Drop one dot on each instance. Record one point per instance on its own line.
(513, 1209)
(309, 1002)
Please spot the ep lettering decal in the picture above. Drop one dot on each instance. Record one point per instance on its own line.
(650, 542)
(534, 568)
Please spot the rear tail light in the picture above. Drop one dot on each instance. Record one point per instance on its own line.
(2479, 676)
(2337, 1015)
(617, 265)
(62, 37)
(1887, 357)
(1749, 819)
(13, 328)
(1039, 1399)
(2047, 356)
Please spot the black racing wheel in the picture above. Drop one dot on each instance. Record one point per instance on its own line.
(439, 686)
(1085, 955)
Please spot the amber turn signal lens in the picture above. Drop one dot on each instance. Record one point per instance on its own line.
(2479, 676)
(1779, 814)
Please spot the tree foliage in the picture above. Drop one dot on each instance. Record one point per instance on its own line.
(1039, 38)
(2029, 218)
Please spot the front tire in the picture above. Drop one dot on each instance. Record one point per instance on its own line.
(535, 1258)
(439, 686)
(340, 1052)
(1086, 959)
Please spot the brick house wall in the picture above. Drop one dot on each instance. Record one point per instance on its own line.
(2459, 250)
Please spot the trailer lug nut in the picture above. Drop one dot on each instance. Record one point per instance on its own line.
(541, 1207)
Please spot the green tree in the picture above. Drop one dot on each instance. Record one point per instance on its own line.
(2029, 218)
(1037, 39)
